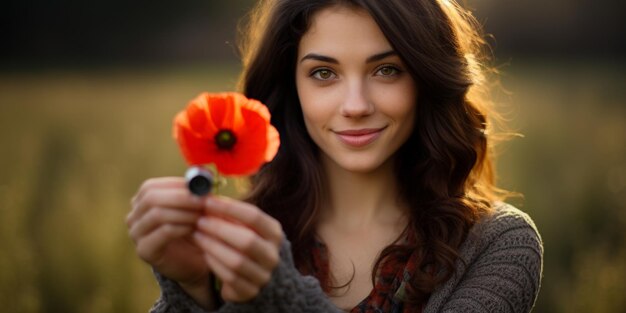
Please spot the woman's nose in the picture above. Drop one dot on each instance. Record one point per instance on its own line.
(356, 102)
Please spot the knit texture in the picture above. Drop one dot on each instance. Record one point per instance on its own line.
(499, 271)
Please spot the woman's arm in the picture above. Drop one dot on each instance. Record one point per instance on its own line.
(287, 291)
(175, 299)
(161, 224)
(504, 262)
(246, 250)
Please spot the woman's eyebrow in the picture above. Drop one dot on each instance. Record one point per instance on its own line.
(324, 58)
(380, 56)
(319, 57)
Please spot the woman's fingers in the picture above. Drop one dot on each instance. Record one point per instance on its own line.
(240, 244)
(151, 246)
(158, 195)
(248, 214)
(159, 216)
(236, 241)
(159, 183)
(236, 262)
(242, 239)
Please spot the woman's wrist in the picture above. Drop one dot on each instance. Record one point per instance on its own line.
(201, 292)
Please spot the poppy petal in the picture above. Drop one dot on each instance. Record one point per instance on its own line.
(273, 143)
(258, 107)
(256, 140)
(197, 116)
(195, 148)
(216, 109)
(273, 138)
(249, 153)
(223, 109)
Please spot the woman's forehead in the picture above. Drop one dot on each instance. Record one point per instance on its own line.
(341, 30)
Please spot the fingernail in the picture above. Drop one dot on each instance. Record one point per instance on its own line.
(204, 222)
(209, 202)
(200, 238)
(213, 203)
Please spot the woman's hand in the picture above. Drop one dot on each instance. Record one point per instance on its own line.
(241, 245)
(161, 223)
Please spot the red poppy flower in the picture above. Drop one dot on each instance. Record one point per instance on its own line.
(226, 129)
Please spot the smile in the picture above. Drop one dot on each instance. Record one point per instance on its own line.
(359, 137)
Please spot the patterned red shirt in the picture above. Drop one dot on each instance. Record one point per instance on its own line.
(388, 294)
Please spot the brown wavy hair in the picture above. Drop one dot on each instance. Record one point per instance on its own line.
(444, 170)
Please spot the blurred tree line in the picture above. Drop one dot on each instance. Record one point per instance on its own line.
(71, 32)
(99, 32)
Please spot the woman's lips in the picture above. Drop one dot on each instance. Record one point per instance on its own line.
(359, 137)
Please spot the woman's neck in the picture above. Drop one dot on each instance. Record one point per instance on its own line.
(359, 201)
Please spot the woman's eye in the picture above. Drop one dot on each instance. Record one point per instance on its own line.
(387, 71)
(323, 74)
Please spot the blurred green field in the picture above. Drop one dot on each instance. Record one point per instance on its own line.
(77, 144)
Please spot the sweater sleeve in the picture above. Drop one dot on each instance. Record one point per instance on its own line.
(504, 273)
(287, 291)
(173, 298)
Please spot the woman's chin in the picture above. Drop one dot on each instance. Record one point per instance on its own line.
(360, 166)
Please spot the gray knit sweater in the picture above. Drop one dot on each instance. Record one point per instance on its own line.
(503, 253)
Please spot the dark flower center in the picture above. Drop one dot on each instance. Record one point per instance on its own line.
(225, 139)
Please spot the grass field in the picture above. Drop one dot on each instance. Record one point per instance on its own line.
(77, 144)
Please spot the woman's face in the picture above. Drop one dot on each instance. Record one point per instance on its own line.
(357, 98)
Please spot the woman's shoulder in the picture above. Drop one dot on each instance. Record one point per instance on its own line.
(499, 268)
(503, 228)
(504, 218)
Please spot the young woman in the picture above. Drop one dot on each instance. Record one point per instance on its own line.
(381, 197)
